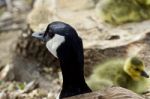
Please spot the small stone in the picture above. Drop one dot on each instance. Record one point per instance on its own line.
(7, 73)
(30, 86)
(51, 95)
(6, 16)
(3, 95)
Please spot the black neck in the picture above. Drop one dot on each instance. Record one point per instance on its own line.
(71, 59)
(73, 78)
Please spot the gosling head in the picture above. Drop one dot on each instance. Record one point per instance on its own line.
(135, 68)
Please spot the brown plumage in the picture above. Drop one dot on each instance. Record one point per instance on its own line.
(109, 93)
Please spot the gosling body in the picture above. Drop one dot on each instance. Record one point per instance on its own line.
(117, 73)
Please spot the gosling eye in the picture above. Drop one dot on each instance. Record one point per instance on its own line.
(137, 69)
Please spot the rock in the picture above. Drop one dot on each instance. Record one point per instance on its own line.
(49, 11)
(21, 6)
(2, 3)
(42, 13)
(3, 95)
(39, 93)
(14, 95)
(76, 4)
(7, 73)
(30, 86)
(6, 16)
(50, 96)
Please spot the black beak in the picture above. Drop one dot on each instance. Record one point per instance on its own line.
(144, 74)
(39, 35)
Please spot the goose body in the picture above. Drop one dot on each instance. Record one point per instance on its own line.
(115, 72)
(109, 93)
(64, 43)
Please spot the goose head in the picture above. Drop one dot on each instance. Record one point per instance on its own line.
(63, 42)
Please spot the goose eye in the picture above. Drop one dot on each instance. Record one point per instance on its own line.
(50, 34)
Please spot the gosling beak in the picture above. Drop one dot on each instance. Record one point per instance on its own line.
(144, 74)
(39, 35)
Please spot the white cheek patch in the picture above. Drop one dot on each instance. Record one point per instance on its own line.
(54, 43)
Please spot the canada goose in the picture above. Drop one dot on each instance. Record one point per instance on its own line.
(64, 43)
(129, 74)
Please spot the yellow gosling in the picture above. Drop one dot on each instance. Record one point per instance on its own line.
(129, 74)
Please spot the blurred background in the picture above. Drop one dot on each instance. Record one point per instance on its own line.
(109, 29)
